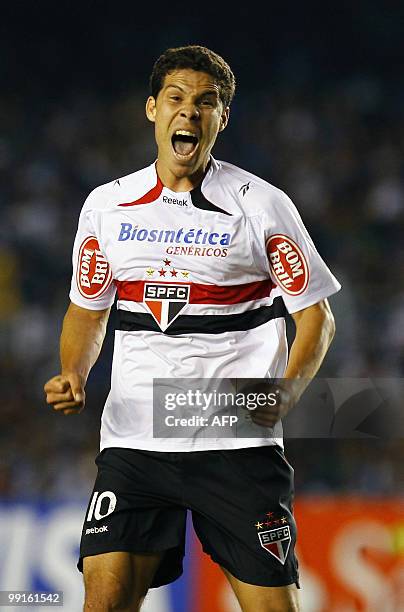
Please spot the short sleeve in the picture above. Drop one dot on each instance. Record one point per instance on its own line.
(91, 285)
(296, 267)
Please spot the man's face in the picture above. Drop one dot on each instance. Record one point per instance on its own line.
(188, 114)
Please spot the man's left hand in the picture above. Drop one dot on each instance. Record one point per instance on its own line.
(282, 400)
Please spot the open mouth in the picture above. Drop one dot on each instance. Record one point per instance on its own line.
(184, 143)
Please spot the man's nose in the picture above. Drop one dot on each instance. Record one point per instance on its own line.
(190, 111)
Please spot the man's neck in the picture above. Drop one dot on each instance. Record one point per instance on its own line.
(180, 183)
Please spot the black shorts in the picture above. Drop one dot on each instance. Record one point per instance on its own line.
(241, 504)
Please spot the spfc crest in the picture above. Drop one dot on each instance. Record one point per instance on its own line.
(276, 542)
(165, 301)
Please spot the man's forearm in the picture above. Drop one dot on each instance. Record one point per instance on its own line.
(315, 328)
(81, 340)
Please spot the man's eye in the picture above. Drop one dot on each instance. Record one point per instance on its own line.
(175, 98)
(207, 102)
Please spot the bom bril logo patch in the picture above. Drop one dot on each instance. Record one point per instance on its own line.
(288, 264)
(94, 274)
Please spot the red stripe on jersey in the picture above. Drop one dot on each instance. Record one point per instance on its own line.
(149, 197)
(133, 291)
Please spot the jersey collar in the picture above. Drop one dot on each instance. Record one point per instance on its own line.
(211, 168)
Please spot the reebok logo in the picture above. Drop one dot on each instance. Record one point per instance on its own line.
(175, 201)
(244, 188)
(97, 530)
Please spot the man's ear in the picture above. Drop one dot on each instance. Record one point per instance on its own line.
(224, 119)
(151, 109)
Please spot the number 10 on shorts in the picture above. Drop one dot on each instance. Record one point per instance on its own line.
(96, 505)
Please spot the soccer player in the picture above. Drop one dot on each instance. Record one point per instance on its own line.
(206, 259)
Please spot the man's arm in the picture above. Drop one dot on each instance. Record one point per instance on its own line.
(80, 344)
(315, 329)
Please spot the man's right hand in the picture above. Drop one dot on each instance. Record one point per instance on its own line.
(65, 393)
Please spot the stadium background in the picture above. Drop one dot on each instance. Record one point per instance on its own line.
(319, 113)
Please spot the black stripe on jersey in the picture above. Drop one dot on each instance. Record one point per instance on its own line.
(199, 201)
(204, 324)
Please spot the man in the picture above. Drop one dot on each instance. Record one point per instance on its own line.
(204, 257)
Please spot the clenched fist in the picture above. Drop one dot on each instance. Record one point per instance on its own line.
(65, 393)
(272, 399)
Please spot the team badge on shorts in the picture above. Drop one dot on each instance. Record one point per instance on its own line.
(276, 542)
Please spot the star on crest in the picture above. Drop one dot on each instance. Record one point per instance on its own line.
(269, 514)
(162, 272)
(150, 271)
(174, 272)
(259, 525)
(185, 274)
(167, 262)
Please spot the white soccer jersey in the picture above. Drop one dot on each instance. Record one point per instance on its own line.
(202, 280)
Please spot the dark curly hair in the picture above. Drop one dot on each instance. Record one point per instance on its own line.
(196, 58)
